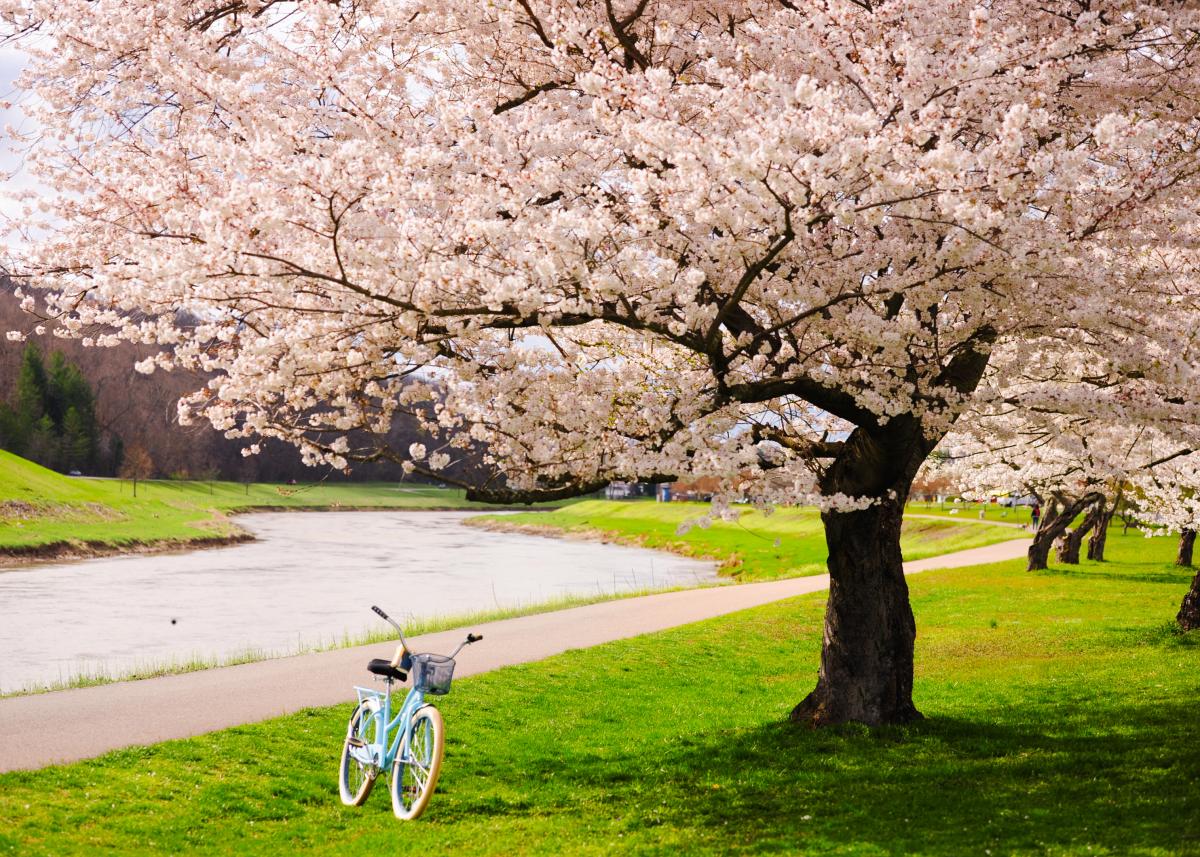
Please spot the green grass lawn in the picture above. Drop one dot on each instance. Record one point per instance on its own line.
(787, 543)
(1061, 719)
(970, 511)
(39, 507)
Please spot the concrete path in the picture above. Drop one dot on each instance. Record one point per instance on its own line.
(68, 725)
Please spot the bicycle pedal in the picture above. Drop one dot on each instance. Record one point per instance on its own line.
(356, 742)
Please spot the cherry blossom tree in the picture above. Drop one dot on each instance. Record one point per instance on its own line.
(1169, 497)
(1073, 465)
(1082, 465)
(777, 242)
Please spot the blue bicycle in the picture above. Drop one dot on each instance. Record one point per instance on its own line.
(412, 743)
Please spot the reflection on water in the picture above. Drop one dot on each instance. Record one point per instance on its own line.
(310, 578)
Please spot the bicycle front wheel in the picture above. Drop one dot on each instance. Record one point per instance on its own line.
(355, 779)
(415, 774)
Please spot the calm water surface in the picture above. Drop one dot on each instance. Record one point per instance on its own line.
(310, 579)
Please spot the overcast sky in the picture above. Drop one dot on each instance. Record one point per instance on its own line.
(11, 63)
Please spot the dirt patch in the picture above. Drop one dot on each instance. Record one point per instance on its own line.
(67, 551)
(106, 513)
(500, 525)
(19, 509)
(23, 510)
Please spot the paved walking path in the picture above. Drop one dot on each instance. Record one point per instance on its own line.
(68, 725)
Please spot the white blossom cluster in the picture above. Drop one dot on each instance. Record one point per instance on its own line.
(625, 239)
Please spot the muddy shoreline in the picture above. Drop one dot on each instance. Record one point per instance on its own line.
(727, 566)
(22, 556)
(27, 556)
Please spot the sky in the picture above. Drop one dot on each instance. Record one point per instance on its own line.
(11, 63)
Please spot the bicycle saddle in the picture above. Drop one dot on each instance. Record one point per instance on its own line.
(383, 667)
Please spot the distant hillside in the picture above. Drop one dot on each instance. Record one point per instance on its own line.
(140, 410)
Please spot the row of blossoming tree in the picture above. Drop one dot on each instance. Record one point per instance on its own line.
(785, 243)
(1083, 472)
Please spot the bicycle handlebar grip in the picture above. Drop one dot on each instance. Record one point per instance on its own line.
(474, 638)
(380, 612)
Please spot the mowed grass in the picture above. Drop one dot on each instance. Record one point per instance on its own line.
(970, 511)
(40, 507)
(789, 542)
(1061, 719)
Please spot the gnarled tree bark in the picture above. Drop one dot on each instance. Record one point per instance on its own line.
(1072, 540)
(1057, 516)
(1099, 538)
(1189, 612)
(1187, 542)
(866, 672)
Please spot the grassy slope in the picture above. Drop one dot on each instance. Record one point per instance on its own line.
(39, 507)
(1061, 720)
(746, 548)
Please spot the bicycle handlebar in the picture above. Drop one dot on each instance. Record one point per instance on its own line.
(471, 638)
(391, 622)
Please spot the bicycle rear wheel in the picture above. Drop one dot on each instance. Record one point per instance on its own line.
(415, 773)
(356, 779)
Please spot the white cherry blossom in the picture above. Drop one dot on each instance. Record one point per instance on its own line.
(788, 244)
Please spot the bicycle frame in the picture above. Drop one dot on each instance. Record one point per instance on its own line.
(383, 754)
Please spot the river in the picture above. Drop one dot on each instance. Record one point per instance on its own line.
(308, 580)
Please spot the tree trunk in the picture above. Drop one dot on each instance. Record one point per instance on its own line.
(1187, 541)
(866, 673)
(1189, 612)
(867, 655)
(1072, 540)
(1099, 539)
(1056, 517)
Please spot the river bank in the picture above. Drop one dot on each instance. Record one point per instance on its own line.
(306, 583)
(48, 517)
(76, 550)
(24, 556)
(790, 542)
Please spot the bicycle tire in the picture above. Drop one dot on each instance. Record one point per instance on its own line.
(355, 780)
(414, 780)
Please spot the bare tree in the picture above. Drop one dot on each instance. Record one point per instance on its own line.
(138, 465)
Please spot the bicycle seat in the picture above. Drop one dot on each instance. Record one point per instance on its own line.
(383, 667)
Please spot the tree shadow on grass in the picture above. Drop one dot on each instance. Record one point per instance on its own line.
(942, 786)
(1156, 574)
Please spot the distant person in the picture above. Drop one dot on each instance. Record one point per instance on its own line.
(1035, 515)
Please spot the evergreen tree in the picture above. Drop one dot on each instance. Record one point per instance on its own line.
(43, 445)
(53, 420)
(69, 394)
(10, 435)
(57, 379)
(31, 395)
(78, 443)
